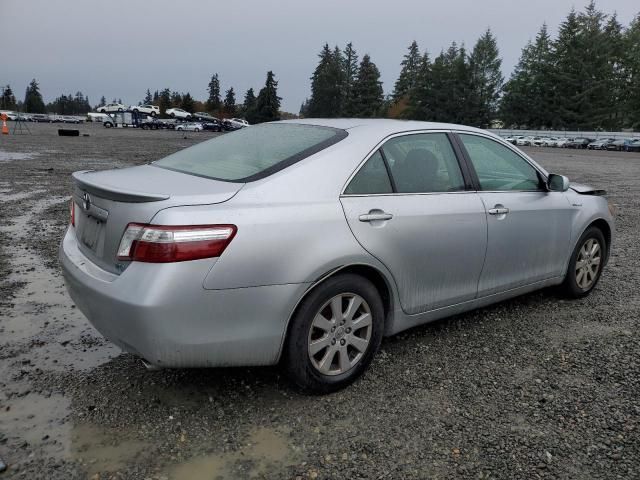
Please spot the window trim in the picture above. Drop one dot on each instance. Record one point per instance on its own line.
(467, 176)
(542, 176)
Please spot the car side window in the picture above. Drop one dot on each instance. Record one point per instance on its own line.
(498, 167)
(423, 163)
(372, 178)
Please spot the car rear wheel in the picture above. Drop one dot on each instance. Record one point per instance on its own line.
(334, 334)
(586, 264)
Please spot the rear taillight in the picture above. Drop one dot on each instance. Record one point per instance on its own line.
(72, 212)
(173, 243)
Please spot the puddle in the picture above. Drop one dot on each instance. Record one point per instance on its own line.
(43, 316)
(100, 452)
(39, 420)
(11, 156)
(265, 450)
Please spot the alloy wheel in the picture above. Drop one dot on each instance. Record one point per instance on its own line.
(340, 334)
(588, 263)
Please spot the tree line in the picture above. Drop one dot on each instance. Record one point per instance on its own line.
(586, 78)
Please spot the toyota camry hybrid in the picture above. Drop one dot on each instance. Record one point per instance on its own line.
(305, 242)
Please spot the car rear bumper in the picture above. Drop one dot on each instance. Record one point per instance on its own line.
(162, 313)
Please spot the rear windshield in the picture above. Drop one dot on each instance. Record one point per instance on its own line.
(253, 152)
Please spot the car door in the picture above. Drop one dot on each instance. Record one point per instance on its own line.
(412, 208)
(528, 227)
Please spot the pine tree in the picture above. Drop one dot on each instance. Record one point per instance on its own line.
(103, 101)
(419, 101)
(176, 99)
(213, 102)
(632, 74)
(350, 73)
(148, 99)
(486, 80)
(529, 95)
(268, 101)
(156, 97)
(230, 102)
(164, 101)
(8, 99)
(249, 106)
(33, 102)
(186, 102)
(367, 90)
(409, 72)
(327, 84)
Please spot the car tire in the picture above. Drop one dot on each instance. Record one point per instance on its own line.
(153, 114)
(581, 280)
(196, 129)
(120, 110)
(172, 115)
(318, 320)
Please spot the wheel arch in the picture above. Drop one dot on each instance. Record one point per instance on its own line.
(605, 228)
(374, 275)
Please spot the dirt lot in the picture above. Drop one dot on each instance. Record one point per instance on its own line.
(536, 387)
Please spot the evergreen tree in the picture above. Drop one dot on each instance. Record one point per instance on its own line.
(304, 108)
(528, 98)
(486, 80)
(8, 99)
(249, 106)
(176, 99)
(327, 84)
(268, 101)
(350, 73)
(409, 72)
(156, 97)
(419, 99)
(367, 90)
(230, 102)
(213, 102)
(186, 102)
(164, 100)
(148, 99)
(632, 74)
(33, 102)
(103, 102)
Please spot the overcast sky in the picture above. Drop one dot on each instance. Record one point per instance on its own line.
(120, 48)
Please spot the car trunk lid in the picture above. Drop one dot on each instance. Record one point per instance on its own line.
(107, 201)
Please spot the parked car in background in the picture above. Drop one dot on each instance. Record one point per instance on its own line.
(204, 117)
(10, 114)
(512, 139)
(202, 258)
(524, 141)
(111, 107)
(620, 144)
(238, 122)
(214, 126)
(178, 113)
(562, 142)
(634, 146)
(152, 110)
(579, 143)
(190, 127)
(41, 117)
(600, 144)
(69, 119)
(549, 141)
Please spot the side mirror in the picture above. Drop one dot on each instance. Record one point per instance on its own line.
(557, 183)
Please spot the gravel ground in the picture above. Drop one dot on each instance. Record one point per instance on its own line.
(536, 387)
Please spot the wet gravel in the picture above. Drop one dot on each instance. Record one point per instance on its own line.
(535, 387)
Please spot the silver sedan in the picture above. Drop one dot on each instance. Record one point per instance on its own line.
(306, 242)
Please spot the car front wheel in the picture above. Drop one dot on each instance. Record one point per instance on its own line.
(586, 264)
(334, 334)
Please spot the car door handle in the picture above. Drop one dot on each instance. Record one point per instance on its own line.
(373, 217)
(498, 210)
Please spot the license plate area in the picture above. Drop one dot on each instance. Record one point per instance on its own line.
(91, 232)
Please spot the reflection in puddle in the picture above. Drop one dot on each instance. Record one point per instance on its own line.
(265, 451)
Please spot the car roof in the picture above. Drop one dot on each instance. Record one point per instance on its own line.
(383, 126)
